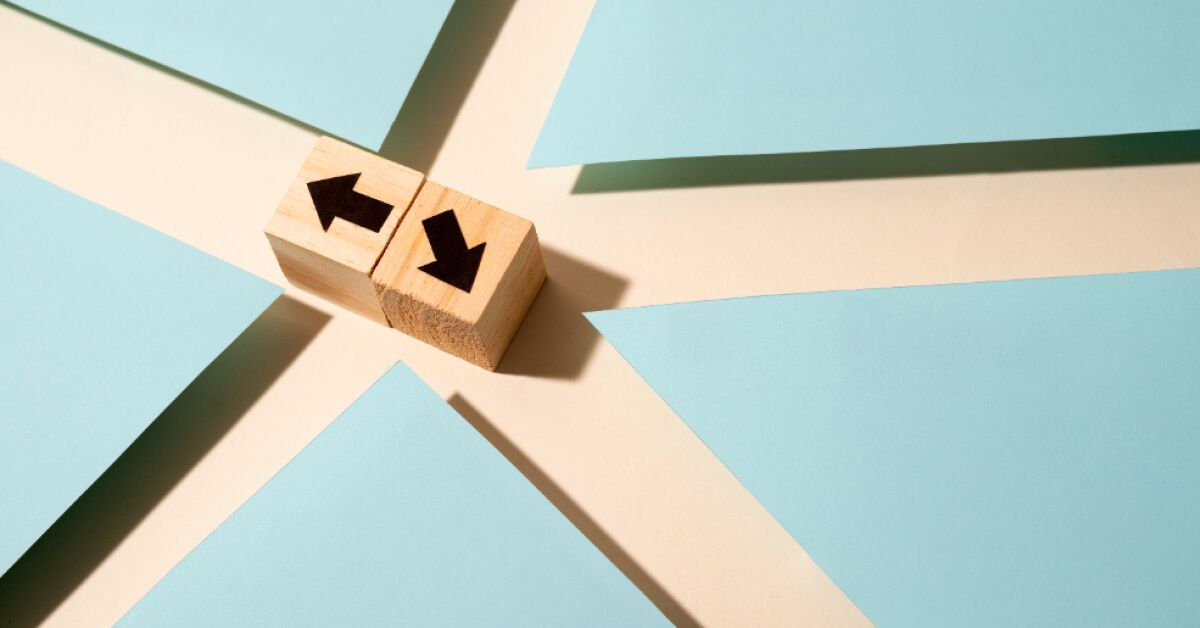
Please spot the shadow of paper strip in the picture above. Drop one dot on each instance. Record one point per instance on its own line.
(1142, 149)
(149, 469)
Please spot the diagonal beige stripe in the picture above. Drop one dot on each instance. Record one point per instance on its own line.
(585, 427)
(209, 171)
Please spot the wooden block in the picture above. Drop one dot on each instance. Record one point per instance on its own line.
(460, 274)
(337, 218)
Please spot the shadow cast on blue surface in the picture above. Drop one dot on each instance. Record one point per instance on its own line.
(441, 87)
(919, 161)
(433, 101)
(100, 43)
(112, 507)
(575, 514)
(149, 469)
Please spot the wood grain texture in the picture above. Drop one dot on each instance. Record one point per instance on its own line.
(337, 264)
(477, 325)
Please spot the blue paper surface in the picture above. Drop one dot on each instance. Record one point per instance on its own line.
(681, 78)
(1021, 453)
(399, 513)
(343, 67)
(102, 323)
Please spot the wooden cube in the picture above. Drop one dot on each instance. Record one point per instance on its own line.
(460, 274)
(333, 224)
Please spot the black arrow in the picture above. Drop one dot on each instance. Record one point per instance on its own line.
(453, 262)
(335, 198)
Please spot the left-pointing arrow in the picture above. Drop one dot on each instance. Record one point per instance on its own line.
(335, 198)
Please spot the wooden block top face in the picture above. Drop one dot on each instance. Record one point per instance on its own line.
(349, 194)
(491, 238)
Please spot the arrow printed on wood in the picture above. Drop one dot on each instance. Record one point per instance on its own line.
(335, 198)
(453, 263)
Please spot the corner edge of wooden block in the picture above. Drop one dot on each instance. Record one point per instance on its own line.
(327, 278)
(526, 280)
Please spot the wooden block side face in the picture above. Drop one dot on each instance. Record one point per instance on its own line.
(346, 242)
(332, 280)
(475, 325)
(515, 294)
(432, 326)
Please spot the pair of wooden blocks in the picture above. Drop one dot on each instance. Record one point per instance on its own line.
(378, 238)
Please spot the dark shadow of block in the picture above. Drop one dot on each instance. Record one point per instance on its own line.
(555, 340)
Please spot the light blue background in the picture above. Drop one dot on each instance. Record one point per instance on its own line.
(682, 78)
(399, 513)
(343, 67)
(1021, 453)
(102, 323)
